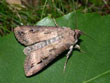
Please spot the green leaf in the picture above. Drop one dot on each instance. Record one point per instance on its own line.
(90, 66)
(47, 21)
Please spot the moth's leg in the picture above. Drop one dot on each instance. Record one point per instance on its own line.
(67, 56)
(77, 46)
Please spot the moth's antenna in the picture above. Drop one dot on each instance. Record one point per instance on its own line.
(82, 33)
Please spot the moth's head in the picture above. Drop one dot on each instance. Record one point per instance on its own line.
(78, 33)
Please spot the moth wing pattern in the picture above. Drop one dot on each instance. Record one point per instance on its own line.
(28, 35)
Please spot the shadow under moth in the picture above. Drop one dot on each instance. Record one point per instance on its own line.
(44, 43)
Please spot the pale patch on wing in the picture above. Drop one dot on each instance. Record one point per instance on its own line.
(39, 45)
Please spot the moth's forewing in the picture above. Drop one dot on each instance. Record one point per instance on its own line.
(39, 58)
(28, 35)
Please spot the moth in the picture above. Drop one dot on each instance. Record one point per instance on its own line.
(44, 44)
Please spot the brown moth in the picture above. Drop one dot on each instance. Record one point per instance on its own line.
(44, 44)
